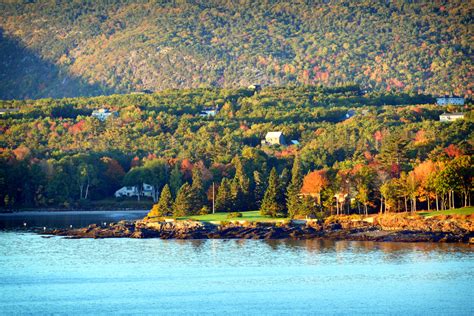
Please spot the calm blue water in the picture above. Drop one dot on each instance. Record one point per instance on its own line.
(248, 277)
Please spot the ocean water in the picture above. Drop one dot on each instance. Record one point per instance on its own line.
(44, 276)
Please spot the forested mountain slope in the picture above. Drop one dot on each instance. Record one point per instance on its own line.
(98, 47)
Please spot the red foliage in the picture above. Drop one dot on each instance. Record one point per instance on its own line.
(135, 162)
(314, 182)
(244, 127)
(395, 170)
(187, 168)
(21, 152)
(287, 152)
(222, 169)
(378, 136)
(78, 127)
(114, 169)
(151, 156)
(453, 151)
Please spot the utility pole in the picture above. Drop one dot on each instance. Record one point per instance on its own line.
(213, 198)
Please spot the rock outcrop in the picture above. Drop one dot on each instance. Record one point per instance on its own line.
(399, 228)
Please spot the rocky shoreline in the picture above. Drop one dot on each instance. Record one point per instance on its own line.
(394, 229)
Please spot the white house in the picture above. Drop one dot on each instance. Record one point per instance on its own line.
(450, 100)
(102, 114)
(133, 191)
(350, 114)
(209, 112)
(274, 138)
(450, 117)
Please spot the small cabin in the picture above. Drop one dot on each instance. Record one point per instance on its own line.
(103, 114)
(453, 100)
(274, 138)
(255, 87)
(350, 114)
(451, 117)
(209, 112)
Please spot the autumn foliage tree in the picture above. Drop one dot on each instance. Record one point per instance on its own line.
(313, 184)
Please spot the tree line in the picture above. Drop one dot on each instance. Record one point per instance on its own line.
(53, 153)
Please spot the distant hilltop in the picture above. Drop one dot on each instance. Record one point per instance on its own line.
(67, 49)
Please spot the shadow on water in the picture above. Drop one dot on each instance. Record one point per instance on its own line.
(391, 249)
(25, 75)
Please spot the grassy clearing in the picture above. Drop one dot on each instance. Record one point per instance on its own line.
(457, 211)
(251, 216)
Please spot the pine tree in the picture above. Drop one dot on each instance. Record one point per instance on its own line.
(259, 190)
(283, 183)
(308, 206)
(293, 203)
(197, 191)
(237, 196)
(176, 180)
(270, 205)
(224, 196)
(183, 203)
(164, 207)
(241, 176)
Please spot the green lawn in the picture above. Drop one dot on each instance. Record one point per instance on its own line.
(251, 216)
(460, 211)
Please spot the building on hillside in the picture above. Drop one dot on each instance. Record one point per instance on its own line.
(129, 191)
(274, 138)
(209, 112)
(103, 114)
(294, 142)
(450, 117)
(255, 87)
(452, 100)
(350, 114)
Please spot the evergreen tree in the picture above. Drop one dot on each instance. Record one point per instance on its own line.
(292, 194)
(283, 183)
(237, 196)
(224, 196)
(259, 190)
(176, 180)
(270, 204)
(308, 206)
(197, 191)
(241, 176)
(183, 203)
(164, 207)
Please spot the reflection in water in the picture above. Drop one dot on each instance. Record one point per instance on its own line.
(150, 276)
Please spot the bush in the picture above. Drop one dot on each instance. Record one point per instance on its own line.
(234, 215)
(204, 210)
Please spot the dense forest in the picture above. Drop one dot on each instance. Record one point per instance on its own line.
(356, 151)
(84, 48)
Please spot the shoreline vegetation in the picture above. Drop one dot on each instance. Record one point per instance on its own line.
(289, 152)
(399, 227)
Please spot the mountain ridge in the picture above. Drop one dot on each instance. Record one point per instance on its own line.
(124, 46)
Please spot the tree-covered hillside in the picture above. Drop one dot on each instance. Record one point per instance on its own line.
(72, 48)
(369, 150)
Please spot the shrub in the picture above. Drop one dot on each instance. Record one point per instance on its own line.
(234, 215)
(204, 210)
